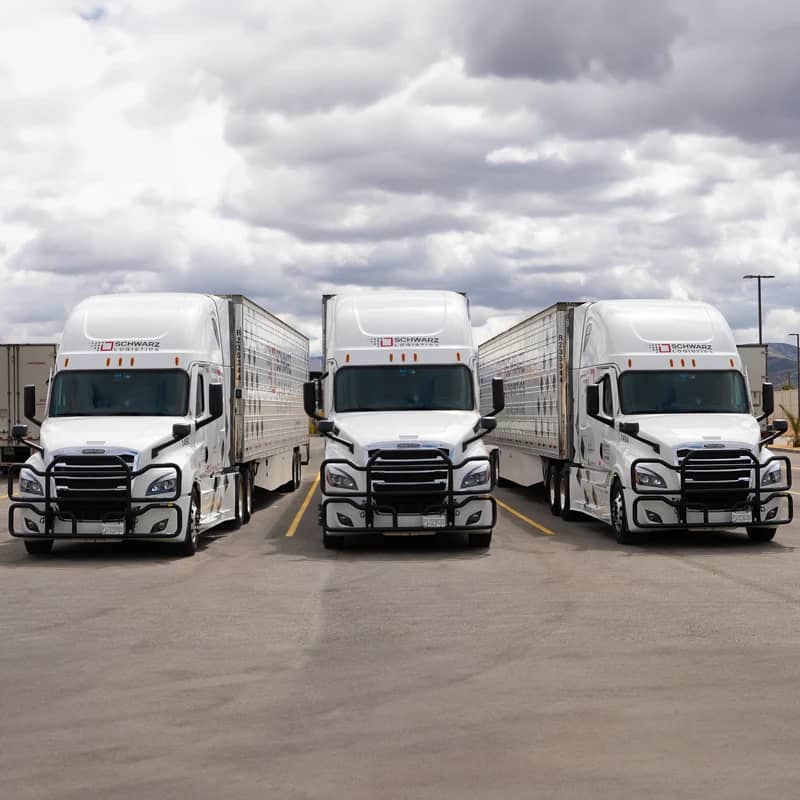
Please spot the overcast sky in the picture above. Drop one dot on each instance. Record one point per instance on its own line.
(523, 151)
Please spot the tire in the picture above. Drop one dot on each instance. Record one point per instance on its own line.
(39, 547)
(246, 484)
(757, 534)
(501, 482)
(332, 542)
(188, 547)
(483, 540)
(294, 484)
(619, 517)
(567, 514)
(551, 482)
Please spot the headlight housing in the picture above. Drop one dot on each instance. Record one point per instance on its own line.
(162, 486)
(339, 480)
(476, 477)
(29, 485)
(772, 475)
(649, 479)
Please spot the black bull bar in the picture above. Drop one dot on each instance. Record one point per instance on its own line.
(746, 496)
(54, 507)
(400, 465)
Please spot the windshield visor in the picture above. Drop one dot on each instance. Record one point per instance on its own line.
(680, 392)
(417, 388)
(146, 393)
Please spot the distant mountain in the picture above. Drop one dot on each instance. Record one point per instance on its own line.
(782, 364)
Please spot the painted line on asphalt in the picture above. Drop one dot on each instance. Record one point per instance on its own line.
(302, 510)
(3, 497)
(530, 522)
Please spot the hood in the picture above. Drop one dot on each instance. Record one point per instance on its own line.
(118, 433)
(678, 431)
(388, 428)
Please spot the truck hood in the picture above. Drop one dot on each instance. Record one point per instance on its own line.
(678, 431)
(118, 433)
(372, 429)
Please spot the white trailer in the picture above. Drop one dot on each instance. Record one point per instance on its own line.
(637, 413)
(21, 364)
(403, 452)
(164, 413)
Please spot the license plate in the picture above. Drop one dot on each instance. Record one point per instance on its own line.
(113, 528)
(742, 516)
(434, 521)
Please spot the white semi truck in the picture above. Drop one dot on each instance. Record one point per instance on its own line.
(165, 411)
(404, 452)
(20, 365)
(637, 413)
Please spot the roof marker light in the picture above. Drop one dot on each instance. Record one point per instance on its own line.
(347, 358)
(694, 362)
(108, 362)
(66, 362)
(177, 361)
(458, 356)
(403, 357)
(671, 363)
(630, 362)
(119, 361)
(731, 362)
(683, 363)
(415, 357)
(391, 356)
(132, 360)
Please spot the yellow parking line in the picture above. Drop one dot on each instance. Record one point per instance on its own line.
(299, 515)
(530, 522)
(3, 497)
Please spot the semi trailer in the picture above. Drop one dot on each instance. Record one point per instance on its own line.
(404, 453)
(637, 413)
(164, 413)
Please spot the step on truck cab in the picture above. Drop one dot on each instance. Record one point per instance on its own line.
(404, 452)
(637, 413)
(164, 413)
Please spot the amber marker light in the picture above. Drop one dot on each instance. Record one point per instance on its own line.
(403, 357)
(119, 361)
(694, 362)
(683, 363)
(630, 362)
(108, 362)
(415, 358)
(66, 362)
(132, 360)
(671, 363)
(347, 358)
(177, 361)
(458, 356)
(391, 356)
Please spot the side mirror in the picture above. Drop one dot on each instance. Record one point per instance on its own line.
(180, 430)
(780, 425)
(631, 428)
(215, 400)
(498, 395)
(19, 431)
(326, 425)
(488, 423)
(30, 402)
(767, 399)
(593, 400)
(310, 399)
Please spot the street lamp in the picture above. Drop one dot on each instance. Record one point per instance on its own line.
(760, 338)
(797, 380)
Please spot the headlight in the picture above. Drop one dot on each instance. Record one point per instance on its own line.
(338, 479)
(773, 475)
(29, 485)
(476, 477)
(162, 486)
(645, 477)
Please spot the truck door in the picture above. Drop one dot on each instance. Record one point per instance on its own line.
(598, 443)
(201, 451)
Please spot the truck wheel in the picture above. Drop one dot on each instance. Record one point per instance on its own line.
(39, 547)
(755, 534)
(552, 487)
(496, 466)
(483, 540)
(619, 519)
(567, 514)
(188, 547)
(331, 542)
(294, 484)
(246, 483)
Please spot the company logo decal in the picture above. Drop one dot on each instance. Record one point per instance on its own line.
(125, 345)
(680, 347)
(404, 341)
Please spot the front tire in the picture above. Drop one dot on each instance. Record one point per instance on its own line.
(619, 517)
(246, 482)
(567, 514)
(761, 534)
(39, 547)
(482, 540)
(188, 547)
(552, 482)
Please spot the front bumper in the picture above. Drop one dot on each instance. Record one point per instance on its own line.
(703, 502)
(393, 502)
(54, 515)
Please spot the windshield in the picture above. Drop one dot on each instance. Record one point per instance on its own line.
(417, 388)
(112, 393)
(677, 392)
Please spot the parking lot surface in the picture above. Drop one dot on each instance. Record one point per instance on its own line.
(556, 664)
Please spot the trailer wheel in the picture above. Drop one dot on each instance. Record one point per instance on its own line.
(39, 547)
(188, 547)
(246, 481)
(331, 541)
(757, 534)
(552, 486)
(619, 518)
(483, 540)
(567, 514)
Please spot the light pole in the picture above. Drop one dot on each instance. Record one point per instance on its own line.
(760, 337)
(797, 379)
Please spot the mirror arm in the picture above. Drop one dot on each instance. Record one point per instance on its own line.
(173, 439)
(636, 436)
(33, 445)
(769, 438)
(334, 438)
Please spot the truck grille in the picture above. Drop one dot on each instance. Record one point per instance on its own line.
(717, 479)
(93, 487)
(409, 481)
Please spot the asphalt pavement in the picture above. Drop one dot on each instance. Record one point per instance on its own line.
(557, 664)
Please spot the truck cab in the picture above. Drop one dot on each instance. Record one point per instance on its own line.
(404, 452)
